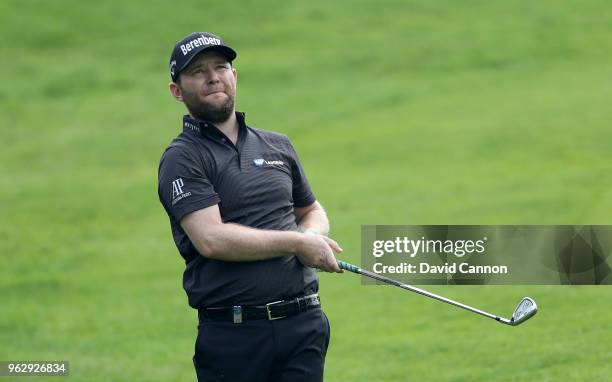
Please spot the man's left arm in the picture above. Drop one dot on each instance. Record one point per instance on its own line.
(312, 219)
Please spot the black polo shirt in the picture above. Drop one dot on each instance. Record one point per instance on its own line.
(256, 183)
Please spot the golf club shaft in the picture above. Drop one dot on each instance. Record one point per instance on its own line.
(352, 268)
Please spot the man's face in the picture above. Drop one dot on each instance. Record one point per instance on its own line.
(207, 86)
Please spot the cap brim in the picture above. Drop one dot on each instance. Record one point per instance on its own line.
(226, 51)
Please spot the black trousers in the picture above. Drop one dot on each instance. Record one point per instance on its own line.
(289, 349)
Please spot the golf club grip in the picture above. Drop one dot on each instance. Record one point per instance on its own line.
(348, 267)
(355, 269)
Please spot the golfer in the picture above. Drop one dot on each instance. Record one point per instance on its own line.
(247, 223)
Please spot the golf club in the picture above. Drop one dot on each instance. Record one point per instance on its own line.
(525, 309)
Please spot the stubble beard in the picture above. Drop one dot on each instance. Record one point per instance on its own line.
(205, 111)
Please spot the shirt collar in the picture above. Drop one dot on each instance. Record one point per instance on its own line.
(203, 128)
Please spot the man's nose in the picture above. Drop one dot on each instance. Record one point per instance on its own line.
(212, 77)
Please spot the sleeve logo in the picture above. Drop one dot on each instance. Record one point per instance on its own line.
(177, 191)
(177, 187)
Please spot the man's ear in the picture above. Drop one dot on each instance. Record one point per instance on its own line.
(176, 92)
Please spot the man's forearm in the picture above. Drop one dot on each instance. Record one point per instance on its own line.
(233, 242)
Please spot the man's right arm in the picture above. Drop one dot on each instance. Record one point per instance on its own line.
(233, 242)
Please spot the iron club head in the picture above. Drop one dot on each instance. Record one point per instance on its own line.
(525, 309)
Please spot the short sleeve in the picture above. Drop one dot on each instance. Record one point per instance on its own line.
(183, 186)
(302, 193)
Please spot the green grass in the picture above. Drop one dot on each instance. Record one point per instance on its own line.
(403, 112)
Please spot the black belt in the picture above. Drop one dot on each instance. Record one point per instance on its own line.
(270, 311)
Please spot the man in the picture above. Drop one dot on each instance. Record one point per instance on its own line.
(246, 222)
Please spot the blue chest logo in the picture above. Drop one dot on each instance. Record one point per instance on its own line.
(258, 162)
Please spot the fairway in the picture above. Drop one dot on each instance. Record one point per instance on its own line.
(402, 112)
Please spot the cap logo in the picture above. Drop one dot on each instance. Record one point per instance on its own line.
(200, 41)
(172, 67)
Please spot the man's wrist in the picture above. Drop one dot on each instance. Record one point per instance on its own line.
(296, 243)
(311, 231)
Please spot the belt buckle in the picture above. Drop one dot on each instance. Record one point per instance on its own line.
(237, 314)
(270, 312)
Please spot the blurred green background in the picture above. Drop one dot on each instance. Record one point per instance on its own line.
(403, 112)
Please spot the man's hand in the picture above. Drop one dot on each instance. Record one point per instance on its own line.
(317, 251)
